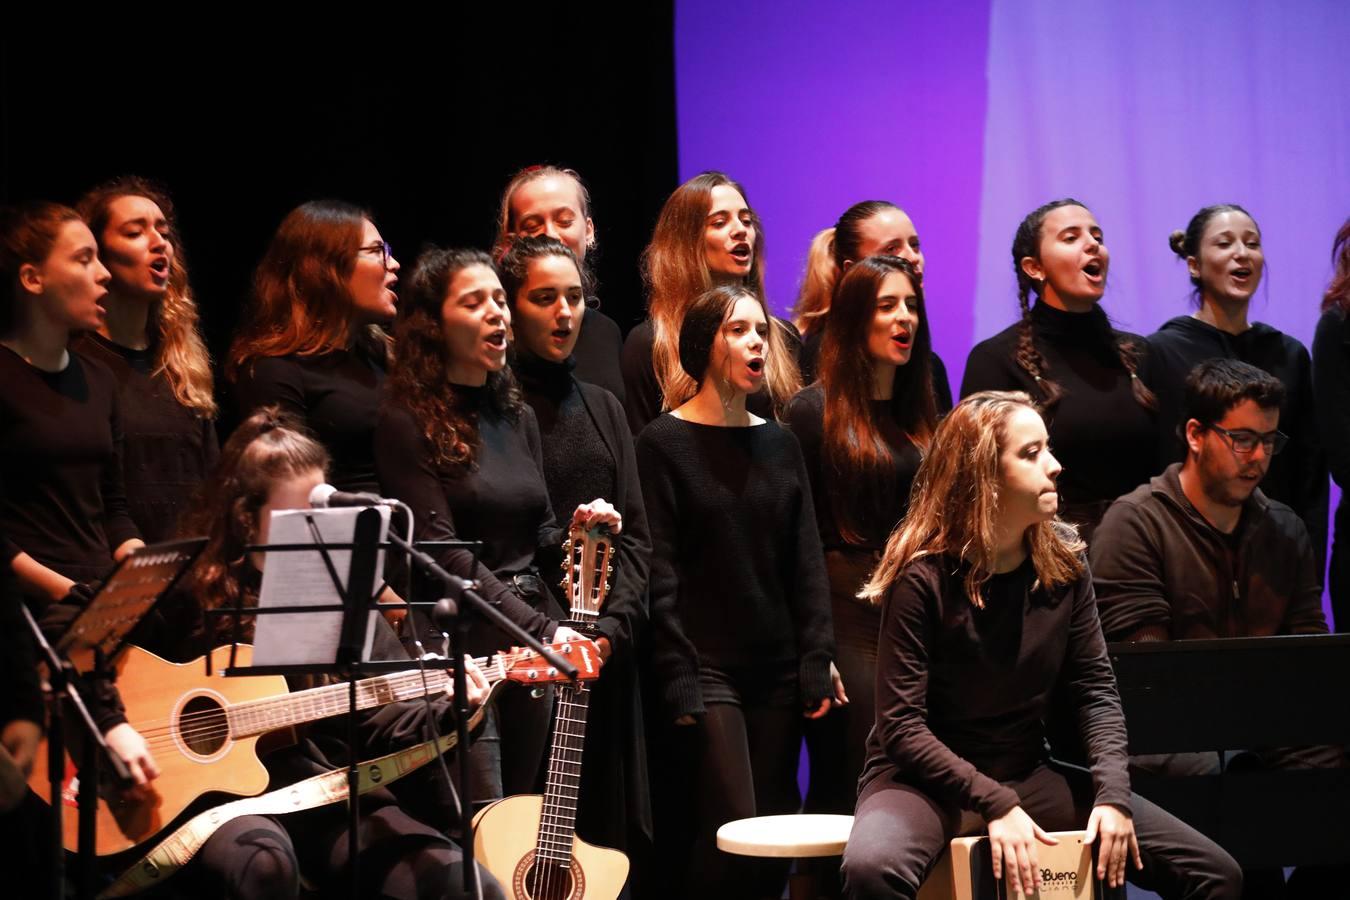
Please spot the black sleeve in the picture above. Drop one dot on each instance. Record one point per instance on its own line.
(922, 759)
(642, 392)
(942, 386)
(1127, 576)
(804, 418)
(403, 464)
(210, 446)
(117, 524)
(674, 657)
(1304, 613)
(20, 690)
(549, 532)
(99, 694)
(269, 380)
(1091, 683)
(1313, 496)
(1331, 391)
(809, 593)
(624, 616)
(394, 726)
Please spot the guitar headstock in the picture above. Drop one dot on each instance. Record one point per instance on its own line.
(587, 567)
(525, 666)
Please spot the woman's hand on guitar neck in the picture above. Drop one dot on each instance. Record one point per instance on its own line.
(598, 512)
(568, 634)
(128, 744)
(475, 683)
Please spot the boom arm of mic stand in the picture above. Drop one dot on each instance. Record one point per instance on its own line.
(459, 589)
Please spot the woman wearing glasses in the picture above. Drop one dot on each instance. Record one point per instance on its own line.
(150, 342)
(1224, 257)
(314, 341)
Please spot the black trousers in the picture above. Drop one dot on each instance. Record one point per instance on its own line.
(899, 832)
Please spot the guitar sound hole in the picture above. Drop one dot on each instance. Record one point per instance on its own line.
(202, 726)
(549, 880)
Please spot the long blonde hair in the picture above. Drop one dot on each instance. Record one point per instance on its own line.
(954, 504)
(676, 270)
(830, 249)
(180, 351)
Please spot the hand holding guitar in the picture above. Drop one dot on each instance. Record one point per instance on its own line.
(128, 744)
(597, 512)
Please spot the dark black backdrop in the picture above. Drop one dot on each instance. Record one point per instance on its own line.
(419, 119)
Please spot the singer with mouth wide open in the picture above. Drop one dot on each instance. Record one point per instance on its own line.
(707, 235)
(1065, 353)
(863, 427)
(150, 341)
(457, 445)
(1225, 259)
(314, 340)
(988, 619)
(742, 646)
(588, 452)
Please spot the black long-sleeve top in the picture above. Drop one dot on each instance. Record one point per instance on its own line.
(963, 693)
(877, 505)
(61, 495)
(501, 500)
(20, 691)
(587, 453)
(1101, 435)
(738, 576)
(337, 395)
(597, 352)
(1298, 476)
(1331, 391)
(169, 448)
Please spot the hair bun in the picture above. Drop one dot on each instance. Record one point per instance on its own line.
(1177, 241)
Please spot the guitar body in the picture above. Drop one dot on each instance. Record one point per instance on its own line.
(505, 835)
(195, 757)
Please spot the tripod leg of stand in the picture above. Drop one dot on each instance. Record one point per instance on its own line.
(458, 642)
(88, 819)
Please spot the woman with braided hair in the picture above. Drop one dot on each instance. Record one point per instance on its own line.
(1064, 353)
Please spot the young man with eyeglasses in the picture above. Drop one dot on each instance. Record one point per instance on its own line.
(1199, 551)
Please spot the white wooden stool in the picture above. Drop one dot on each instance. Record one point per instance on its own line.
(964, 872)
(794, 837)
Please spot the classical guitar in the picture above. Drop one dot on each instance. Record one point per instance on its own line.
(528, 842)
(203, 730)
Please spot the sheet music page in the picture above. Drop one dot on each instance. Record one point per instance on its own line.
(300, 578)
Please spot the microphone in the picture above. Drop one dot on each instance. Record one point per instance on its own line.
(325, 496)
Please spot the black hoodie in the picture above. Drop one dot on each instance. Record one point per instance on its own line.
(1298, 476)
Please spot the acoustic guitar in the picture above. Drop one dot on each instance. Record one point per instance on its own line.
(528, 842)
(203, 731)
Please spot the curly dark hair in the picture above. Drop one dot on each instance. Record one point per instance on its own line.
(419, 374)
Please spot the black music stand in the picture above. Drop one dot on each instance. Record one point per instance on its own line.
(88, 647)
(357, 599)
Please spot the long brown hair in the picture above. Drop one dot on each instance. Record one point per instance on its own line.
(28, 233)
(852, 446)
(1027, 242)
(830, 249)
(954, 506)
(301, 303)
(1338, 292)
(676, 270)
(266, 448)
(419, 378)
(180, 352)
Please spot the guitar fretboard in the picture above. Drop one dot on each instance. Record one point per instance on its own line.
(256, 717)
(557, 819)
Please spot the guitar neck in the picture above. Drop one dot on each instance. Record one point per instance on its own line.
(557, 820)
(247, 719)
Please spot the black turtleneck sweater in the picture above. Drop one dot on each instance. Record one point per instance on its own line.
(876, 505)
(337, 395)
(62, 499)
(169, 448)
(1298, 476)
(501, 500)
(588, 453)
(1099, 432)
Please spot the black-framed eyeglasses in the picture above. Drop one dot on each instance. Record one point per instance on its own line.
(379, 248)
(1244, 440)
